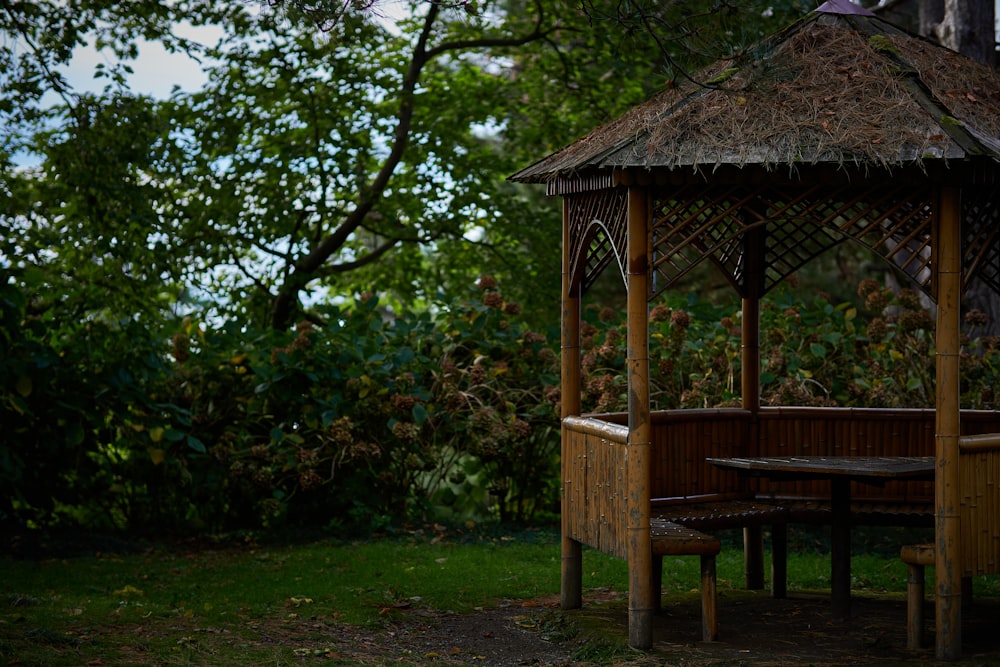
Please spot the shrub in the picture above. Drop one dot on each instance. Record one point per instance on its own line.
(366, 416)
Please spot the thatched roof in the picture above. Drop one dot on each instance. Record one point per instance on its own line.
(838, 86)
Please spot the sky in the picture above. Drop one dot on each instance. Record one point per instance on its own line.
(156, 71)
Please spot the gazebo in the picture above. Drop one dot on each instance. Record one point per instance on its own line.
(842, 127)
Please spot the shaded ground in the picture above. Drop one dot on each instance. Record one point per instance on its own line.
(755, 631)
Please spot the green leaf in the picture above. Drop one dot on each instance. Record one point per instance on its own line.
(818, 350)
(419, 414)
(196, 444)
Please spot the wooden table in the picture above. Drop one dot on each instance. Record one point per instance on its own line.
(841, 471)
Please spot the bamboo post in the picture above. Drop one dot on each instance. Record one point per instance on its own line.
(947, 571)
(753, 286)
(571, 590)
(637, 461)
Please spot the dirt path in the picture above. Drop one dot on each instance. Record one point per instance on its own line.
(755, 631)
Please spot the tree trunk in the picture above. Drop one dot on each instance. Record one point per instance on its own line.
(967, 26)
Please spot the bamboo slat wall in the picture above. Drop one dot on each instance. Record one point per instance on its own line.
(595, 484)
(796, 431)
(979, 481)
(682, 439)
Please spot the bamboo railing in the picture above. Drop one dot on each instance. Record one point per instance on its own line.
(596, 476)
(979, 482)
(595, 483)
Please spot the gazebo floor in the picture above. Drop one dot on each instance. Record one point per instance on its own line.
(757, 630)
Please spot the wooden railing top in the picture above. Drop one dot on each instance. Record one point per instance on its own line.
(984, 442)
(789, 410)
(598, 427)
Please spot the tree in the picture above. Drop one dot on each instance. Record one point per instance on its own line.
(313, 154)
(337, 151)
(968, 26)
(372, 155)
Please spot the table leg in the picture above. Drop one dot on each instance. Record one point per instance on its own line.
(840, 547)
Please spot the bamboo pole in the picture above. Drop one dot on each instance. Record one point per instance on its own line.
(571, 591)
(640, 556)
(948, 562)
(753, 286)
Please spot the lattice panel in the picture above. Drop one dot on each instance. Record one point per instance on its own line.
(981, 235)
(597, 228)
(692, 225)
(802, 224)
(696, 224)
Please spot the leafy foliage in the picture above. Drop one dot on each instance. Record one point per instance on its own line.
(372, 417)
(189, 340)
(380, 415)
(813, 352)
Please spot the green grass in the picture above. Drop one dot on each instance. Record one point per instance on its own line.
(257, 605)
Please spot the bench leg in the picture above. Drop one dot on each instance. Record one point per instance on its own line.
(779, 560)
(753, 557)
(709, 598)
(914, 605)
(656, 585)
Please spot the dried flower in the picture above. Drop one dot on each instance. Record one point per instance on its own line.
(868, 286)
(680, 319)
(876, 301)
(877, 330)
(976, 318)
(659, 313)
(406, 431)
(309, 479)
(909, 298)
(493, 300)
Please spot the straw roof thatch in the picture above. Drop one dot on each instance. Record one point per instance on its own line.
(840, 86)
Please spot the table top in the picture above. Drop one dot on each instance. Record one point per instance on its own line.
(855, 467)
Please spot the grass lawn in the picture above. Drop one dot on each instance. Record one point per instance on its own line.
(273, 604)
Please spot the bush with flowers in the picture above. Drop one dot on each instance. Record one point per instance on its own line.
(879, 353)
(364, 416)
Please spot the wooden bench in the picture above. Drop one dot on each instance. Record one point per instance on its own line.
(746, 514)
(672, 539)
(917, 557)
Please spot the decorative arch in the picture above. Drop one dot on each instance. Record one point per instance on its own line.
(597, 233)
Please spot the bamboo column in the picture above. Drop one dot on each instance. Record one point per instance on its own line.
(571, 591)
(754, 246)
(637, 461)
(947, 571)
